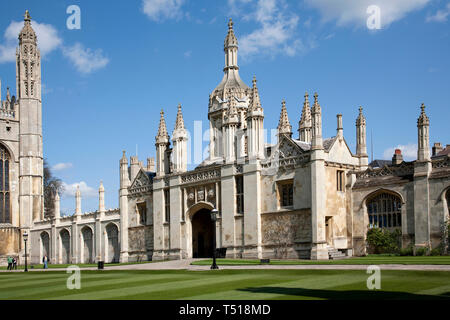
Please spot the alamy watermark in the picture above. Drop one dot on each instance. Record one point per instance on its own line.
(374, 20)
(74, 280)
(374, 281)
(73, 22)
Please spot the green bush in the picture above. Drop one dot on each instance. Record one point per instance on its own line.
(435, 252)
(383, 241)
(409, 251)
(421, 251)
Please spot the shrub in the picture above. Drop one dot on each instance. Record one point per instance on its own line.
(435, 252)
(421, 251)
(409, 251)
(383, 241)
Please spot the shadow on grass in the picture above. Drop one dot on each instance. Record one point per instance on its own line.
(346, 295)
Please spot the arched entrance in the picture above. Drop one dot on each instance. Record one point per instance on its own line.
(65, 246)
(112, 234)
(87, 254)
(202, 234)
(45, 245)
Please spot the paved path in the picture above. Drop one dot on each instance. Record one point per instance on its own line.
(186, 265)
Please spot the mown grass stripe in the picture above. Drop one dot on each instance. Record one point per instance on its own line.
(94, 286)
(186, 284)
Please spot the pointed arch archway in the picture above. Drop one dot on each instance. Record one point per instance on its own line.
(199, 230)
(112, 250)
(64, 247)
(44, 245)
(87, 252)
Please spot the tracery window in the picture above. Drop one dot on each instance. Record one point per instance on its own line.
(286, 193)
(166, 205)
(239, 194)
(5, 205)
(142, 212)
(385, 211)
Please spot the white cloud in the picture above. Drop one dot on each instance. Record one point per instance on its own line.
(86, 191)
(440, 15)
(48, 39)
(85, 60)
(159, 10)
(409, 151)
(62, 166)
(276, 32)
(347, 12)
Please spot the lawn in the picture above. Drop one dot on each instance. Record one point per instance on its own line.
(374, 259)
(226, 284)
(80, 265)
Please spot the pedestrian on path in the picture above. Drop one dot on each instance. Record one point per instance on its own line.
(45, 261)
(10, 262)
(14, 266)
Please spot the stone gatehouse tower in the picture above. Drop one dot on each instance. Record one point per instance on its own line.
(21, 154)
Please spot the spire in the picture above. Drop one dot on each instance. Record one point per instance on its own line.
(179, 123)
(162, 136)
(284, 127)
(423, 130)
(316, 125)
(78, 200)
(8, 94)
(101, 197)
(316, 106)
(304, 125)
(27, 34)
(124, 159)
(230, 39)
(361, 120)
(423, 118)
(255, 103)
(56, 206)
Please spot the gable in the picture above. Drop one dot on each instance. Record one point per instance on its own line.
(338, 151)
(141, 180)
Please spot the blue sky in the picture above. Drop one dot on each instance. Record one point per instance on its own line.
(105, 83)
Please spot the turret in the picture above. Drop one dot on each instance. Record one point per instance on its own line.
(57, 206)
(101, 198)
(162, 144)
(124, 176)
(179, 139)
(361, 147)
(255, 126)
(134, 167)
(304, 125)
(316, 122)
(340, 128)
(284, 126)
(423, 132)
(78, 201)
(230, 124)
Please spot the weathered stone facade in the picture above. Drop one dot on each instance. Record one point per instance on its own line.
(300, 198)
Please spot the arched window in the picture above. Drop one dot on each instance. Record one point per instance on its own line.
(5, 203)
(385, 211)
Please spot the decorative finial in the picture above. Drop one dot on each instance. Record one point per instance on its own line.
(422, 107)
(360, 109)
(254, 81)
(315, 96)
(27, 16)
(230, 24)
(306, 96)
(161, 112)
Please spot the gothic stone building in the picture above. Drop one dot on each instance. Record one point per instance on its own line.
(305, 197)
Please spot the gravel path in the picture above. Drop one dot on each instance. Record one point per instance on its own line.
(186, 265)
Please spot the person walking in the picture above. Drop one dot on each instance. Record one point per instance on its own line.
(10, 263)
(45, 261)
(14, 263)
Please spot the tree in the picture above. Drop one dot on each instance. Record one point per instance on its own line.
(51, 186)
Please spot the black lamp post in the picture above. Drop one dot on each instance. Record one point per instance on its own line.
(25, 239)
(214, 213)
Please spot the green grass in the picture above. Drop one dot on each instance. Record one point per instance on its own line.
(226, 284)
(371, 259)
(81, 265)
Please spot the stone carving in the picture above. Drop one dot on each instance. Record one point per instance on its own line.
(201, 176)
(200, 195)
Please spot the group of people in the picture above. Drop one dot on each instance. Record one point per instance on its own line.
(12, 263)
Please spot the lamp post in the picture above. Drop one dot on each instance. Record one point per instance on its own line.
(214, 213)
(25, 239)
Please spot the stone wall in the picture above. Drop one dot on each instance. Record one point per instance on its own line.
(140, 242)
